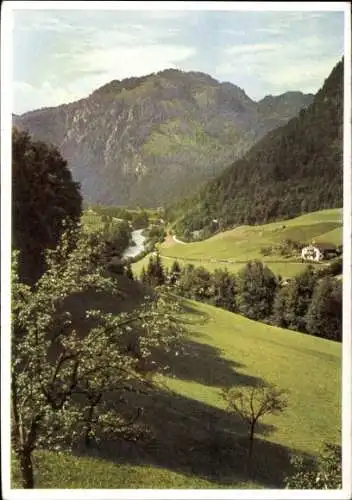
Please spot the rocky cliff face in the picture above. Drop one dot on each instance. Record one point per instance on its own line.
(152, 139)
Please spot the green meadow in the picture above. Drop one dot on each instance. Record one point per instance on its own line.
(285, 269)
(308, 367)
(66, 471)
(196, 443)
(233, 248)
(91, 222)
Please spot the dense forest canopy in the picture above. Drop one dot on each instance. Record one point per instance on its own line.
(294, 169)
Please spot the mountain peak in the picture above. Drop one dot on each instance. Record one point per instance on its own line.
(116, 86)
(133, 140)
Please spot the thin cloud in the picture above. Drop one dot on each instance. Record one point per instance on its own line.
(122, 51)
(307, 77)
(255, 48)
(74, 52)
(280, 66)
(277, 30)
(45, 95)
(129, 61)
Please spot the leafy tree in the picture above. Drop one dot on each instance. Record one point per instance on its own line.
(156, 233)
(187, 234)
(283, 298)
(140, 219)
(66, 382)
(324, 316)
(111, 211)
(325, 473)
(202, 285)
(224, 290)
(300, 292)
(195, 283)
(45, 201)
(252, 403)
(184, 284)
(117, 236)
(256, 288)
(115, 266)
(335, 267)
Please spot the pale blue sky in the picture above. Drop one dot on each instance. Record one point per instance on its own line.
(61, 56)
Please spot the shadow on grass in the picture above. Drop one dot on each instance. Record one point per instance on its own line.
(196, 439)
(204, 364)
(200, 317)
(130, 295)
(191, 437)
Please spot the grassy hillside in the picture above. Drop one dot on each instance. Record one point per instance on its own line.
(233, 248)
(63, 470)
(309, 367)
(196, 443)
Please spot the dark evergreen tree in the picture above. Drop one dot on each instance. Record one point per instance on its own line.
(45, 202)
(175, 272)
(300, 298)
(324, 316)
(294, 169)
(150, 269)
(224, 286)
(281, 303)
(155, 274)
(159, 273)
(143, 276)
(185, 281)
(128, 271)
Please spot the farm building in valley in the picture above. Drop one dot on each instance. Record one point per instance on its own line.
(320, 251)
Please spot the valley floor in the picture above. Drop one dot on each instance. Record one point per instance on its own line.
(234, 248)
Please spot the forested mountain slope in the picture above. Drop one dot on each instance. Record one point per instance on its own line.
(294, 169)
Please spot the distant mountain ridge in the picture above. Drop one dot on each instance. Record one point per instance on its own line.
(294, 169)
(153, 139)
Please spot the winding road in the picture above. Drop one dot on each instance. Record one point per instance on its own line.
(214, 260)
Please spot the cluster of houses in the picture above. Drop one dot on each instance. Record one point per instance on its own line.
(321, 251)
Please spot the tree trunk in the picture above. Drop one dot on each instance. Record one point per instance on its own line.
(26, 467)
(87, 436)
(251, 440)
(250, 449)
(93, 403)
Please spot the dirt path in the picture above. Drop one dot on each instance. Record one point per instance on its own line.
(178, 241)
(171, 240)
(224, 261)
